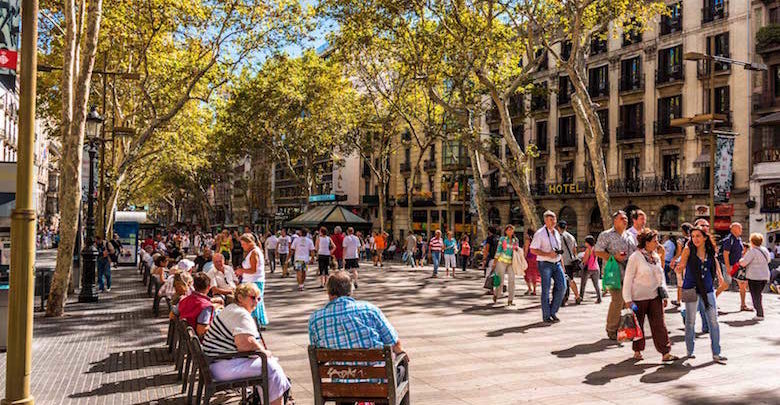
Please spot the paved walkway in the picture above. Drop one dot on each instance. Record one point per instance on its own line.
(463, 350)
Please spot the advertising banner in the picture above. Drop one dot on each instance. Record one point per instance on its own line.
(723, 168)
(9, 42)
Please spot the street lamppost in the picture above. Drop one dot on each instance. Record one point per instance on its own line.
(711, 119)
(89, 253)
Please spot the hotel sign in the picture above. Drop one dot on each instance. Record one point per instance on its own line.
(565, 188)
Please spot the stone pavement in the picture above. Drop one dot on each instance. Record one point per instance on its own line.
(462, 349)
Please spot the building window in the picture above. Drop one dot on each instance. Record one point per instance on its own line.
(670, 65)
(539, 99)
(770, 198)
(567, 172)
(541, 135)
(632, 34)
(631, 125)
(718, 45)
(630, 74)
(540, 174)
(408, 156)
(566, 132)
(776, 80)
(598, 81)
(722, 101)
(774, 15)
(541, 52)
(670, 218)
(604, 119)
(713, 10)
(565, 50)
(565, 89)
(453, 153)
(631, 173)
(669, 108)
(671, 168)
(598, 43)
(672, 22)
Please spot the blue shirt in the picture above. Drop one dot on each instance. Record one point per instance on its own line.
(449, 246)
(349, 324)
(670, 250)
(707, 271)
(733, 245)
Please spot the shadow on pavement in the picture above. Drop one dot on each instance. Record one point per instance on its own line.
(760, 397)
(132, 385)
(132, 360)
(609, 372)
(517, 329)
(586, 348)
(671, 372)
(739, 324)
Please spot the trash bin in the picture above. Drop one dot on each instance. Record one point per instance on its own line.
(43, 276)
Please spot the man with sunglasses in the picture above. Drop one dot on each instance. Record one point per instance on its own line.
(616, 242)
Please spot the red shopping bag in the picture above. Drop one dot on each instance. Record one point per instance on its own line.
(629, 329)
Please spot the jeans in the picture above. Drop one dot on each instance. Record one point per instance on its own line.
(436, 257)
(271, 255)
(712, 321)
(408, 258)
(104, 270)
(551, 271)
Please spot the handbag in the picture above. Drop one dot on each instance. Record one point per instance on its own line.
(612, 275)
(662, 293)
(629, 329)
(575, 260)
(689, 295)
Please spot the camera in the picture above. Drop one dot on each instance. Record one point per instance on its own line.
(559, 251)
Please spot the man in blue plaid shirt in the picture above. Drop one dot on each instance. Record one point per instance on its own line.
(345, 323)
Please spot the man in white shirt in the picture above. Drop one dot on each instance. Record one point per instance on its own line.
(639, 218)
(283, 249)
(223, 278)
(547, 247)
(303, 253)
(271, 242)
(351, 247)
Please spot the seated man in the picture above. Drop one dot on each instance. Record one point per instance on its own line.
(146, 256)
(234, 330)
(223, 279)
(345, 323)
(204, 260)
(197, 308)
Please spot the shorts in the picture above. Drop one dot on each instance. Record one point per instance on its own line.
(449, 260)
(300, 265)
(571, 270)
(324, 264)
(350, 264)
(282, 258)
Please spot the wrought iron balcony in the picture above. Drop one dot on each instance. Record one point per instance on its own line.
(676, 73)
(630, 83)
(629, 134)
(663, 130)
(405, 167)
(715, 10)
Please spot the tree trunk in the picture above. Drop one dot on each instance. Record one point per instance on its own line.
(594, 134)
(476, 171)
(76, 77)
(111, 205)
(381, 208)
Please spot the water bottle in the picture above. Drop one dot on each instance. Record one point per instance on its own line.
(634, 307)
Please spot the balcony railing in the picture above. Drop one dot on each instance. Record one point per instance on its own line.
(716, 10)
(703, 68)
(405, 167)
(693, 183)
(565, 141)
(675, 74)
(540, 103)
(626, 134)
(541, 145)
(455, 164)
(765, 100)
(663, 129)
(769, 155)
(670, 25)
(564, 98)
(631, 84)
(429, 165)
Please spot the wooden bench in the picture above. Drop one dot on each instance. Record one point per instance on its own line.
(156, 298)
(327, 365)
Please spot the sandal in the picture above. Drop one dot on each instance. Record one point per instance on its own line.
(746, 308)
(669, 357)
(638, 356)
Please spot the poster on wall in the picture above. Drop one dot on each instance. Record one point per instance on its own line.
(723, 168)
(128, 235)
(9, 42)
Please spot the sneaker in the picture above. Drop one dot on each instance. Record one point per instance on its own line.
(719, 358)
(691, 356)
(774, 289)
(108, 289)
(554, 318)
(300, 288)
(758, 318)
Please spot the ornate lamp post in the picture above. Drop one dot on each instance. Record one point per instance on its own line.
(89, 253)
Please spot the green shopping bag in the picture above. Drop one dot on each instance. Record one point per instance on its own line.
(612, 275)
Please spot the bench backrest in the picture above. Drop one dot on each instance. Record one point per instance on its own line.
(198, 358)
(328, 364)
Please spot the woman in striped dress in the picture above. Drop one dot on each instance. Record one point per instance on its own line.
(252, 270)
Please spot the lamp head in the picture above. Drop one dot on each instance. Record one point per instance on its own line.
(94, 122)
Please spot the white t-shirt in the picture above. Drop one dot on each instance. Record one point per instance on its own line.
(283, 245)
(302, 247)
(259, 274)
(351, 245)
(271, 242)
(323, 247)
(219, 279)
(161, 246)
(547, 241)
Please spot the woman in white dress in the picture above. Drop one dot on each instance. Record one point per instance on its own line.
(252, 270)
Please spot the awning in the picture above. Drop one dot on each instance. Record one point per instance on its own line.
(771, 119)
(703, 159)
(328, 216)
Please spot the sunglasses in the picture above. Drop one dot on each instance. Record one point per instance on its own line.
(254, 297)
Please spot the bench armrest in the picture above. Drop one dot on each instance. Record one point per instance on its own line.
(400, 358)
(239, 355)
